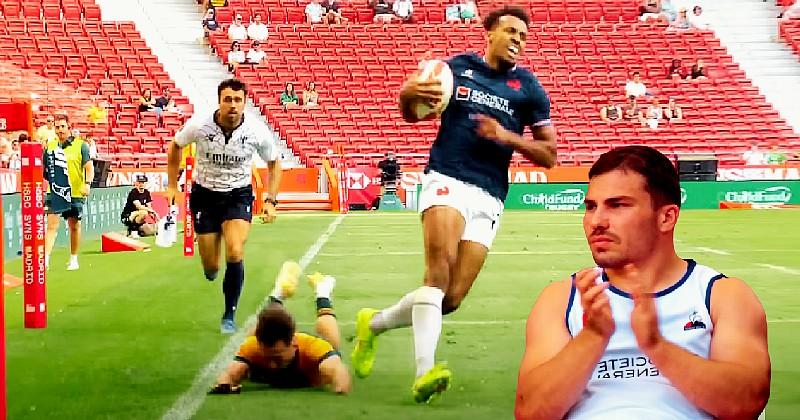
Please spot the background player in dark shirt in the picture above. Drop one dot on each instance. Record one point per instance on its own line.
(138, 206)
(466, 182)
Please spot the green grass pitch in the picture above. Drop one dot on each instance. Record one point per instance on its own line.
(129, 332)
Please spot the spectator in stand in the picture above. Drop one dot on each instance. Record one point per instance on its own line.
(469, 11)
(404, 10)
(310, 96)
(257, 31)
(791, 12)
(235, 56)
(146, 101)
(681, 23)
(98, 113)
(237, 31)
(165, 101)
(677, 69)
(5, 151)
(699, 70)
(452, 13)
(289, 98)
(776, 156)
(382, 11)
(668, 10)
(698, 20)
(47, 131)
(672, 112)
(314, 12)
(210, 4)
(632, 110)
(653, 114)
(611, 112)
(332, 13)
(650, 9)
(635, 87)
(210, 23)
(754, 156)
(14, 161)
(255, 55)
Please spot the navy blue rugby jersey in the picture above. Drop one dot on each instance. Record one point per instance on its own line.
(514, 98)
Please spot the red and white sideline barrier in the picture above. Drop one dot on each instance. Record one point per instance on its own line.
(188, 222)
(33, 231)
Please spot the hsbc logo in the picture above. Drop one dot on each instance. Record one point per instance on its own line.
(462, 93)
(357, 181)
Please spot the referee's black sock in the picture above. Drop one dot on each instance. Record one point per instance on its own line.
(232, 286)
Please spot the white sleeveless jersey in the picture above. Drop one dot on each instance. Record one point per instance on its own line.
(625, 384)
(223, 164)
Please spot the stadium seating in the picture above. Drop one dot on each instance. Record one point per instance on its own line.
(790, 32)
(433, 11)
(66, 42)
(358, 69)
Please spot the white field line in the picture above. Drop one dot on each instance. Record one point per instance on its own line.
(780, 268)
(712, 250)
(190, 401)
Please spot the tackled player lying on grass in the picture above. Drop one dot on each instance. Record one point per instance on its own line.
(277, 355)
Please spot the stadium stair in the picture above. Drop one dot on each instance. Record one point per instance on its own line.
(749, 30)
(173, 29)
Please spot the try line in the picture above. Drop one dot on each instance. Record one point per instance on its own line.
(190, 401)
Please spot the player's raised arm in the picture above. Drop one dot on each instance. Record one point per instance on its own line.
(230, 380)
(335, 373)
(734, 381)
(556, 368)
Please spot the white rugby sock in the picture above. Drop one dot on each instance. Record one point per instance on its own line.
(395, 316)
(426, 318)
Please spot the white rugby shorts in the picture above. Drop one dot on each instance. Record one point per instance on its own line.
(481, 211)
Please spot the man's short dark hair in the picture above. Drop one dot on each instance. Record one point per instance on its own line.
(491, 20)
(275, 324)
(62, 117)
(660, 175)
(234, 84)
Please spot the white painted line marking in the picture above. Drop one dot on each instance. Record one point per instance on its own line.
(190, 401)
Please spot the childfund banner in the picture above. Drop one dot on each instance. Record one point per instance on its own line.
(694, 195)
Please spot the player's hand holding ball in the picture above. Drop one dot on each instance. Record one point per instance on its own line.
(429, 89)
(597, 317)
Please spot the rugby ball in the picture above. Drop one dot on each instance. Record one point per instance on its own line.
(435, 70)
